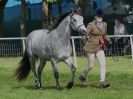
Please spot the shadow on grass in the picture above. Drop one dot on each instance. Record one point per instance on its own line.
(80, 86)
(33, 88)
(46, 87)
(88, 86)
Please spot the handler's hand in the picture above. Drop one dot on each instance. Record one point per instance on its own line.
(85, 38)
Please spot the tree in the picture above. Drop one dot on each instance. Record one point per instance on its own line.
(81, 4)
(128, 4)
(47, 11)
(2, 6)
(47, 8)
(23, 18)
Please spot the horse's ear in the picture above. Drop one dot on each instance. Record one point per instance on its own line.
(72, 11)
(78, 10)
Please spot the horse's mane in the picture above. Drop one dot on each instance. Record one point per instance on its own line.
(60, 20)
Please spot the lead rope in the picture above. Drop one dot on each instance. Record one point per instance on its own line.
(114, 57)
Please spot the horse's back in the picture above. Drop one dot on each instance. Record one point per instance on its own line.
(38, 33)
(36, 40)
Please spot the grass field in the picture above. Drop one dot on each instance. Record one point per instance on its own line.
(120, 76)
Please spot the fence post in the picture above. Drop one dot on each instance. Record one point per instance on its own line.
(23, 42)
(131, 41)
(74, 52)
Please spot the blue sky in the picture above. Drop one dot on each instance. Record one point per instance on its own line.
(11, 3)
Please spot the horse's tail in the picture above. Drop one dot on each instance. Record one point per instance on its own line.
(24, 68)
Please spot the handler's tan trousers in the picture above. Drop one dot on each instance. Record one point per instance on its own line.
(101, 57)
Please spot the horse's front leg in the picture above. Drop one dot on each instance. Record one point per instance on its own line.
(73, 69)
(56, 73)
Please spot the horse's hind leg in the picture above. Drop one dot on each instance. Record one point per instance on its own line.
(40, 68)
(73, 69)
(33, 68)
(56, 73)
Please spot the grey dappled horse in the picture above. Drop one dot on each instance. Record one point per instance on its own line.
(52, 45)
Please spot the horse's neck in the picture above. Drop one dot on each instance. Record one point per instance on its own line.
(63, 30)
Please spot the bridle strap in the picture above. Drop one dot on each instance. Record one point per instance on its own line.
(71, 23)
(115, 58)
(79, 26)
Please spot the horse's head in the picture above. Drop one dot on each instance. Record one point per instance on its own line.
(76, 23)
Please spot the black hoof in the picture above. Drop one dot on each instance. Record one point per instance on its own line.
(70, 85)
(38, 87)
(104, 84)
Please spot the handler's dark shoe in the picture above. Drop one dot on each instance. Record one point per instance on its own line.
(104, 84)
(83, 81)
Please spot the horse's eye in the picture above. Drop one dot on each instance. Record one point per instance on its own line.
(74, 20)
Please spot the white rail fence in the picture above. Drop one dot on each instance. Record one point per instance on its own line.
(121, 47)
(14, 47)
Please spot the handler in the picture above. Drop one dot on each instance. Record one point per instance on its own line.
(94, 46)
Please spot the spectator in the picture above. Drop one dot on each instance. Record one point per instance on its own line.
(120, 42)
(119, 28)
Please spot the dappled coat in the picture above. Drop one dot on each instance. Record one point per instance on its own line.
(96, 37)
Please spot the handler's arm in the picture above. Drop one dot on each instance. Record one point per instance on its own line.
(86, 36)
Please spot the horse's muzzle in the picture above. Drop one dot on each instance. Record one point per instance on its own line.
(82, 29)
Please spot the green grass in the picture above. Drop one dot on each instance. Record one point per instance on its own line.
(120, 76)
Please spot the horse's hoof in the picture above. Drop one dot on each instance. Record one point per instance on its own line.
(41, 88)
(70, 85)
(58, 88)
(38, 87)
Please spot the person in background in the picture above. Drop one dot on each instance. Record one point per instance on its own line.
(120, 42)
(94, 46)
(119, 28)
